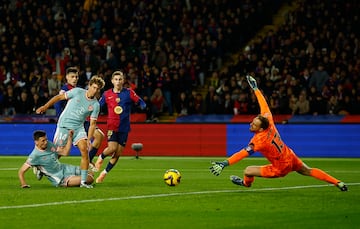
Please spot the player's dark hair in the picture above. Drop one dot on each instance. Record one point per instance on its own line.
(264, 122)
(38, 134)
(72, 70)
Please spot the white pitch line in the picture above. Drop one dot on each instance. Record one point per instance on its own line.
(163, 195)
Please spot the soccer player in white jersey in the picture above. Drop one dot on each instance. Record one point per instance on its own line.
(45, 158)
(81, 104)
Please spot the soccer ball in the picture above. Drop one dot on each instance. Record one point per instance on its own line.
(172, 177)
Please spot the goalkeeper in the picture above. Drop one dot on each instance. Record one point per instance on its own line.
(268, 142)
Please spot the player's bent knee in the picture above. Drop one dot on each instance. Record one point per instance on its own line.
(252, 171)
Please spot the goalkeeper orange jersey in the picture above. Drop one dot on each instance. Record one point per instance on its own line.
(268, 142)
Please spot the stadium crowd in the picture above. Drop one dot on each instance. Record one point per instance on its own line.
(171, 50)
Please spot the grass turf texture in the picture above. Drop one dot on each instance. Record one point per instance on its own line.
(134, 195)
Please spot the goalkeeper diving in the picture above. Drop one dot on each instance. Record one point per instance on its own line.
(267, 141)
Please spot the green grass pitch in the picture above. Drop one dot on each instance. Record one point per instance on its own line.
(134, 195)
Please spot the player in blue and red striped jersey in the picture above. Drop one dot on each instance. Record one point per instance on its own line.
(72, 77)
(119, 100)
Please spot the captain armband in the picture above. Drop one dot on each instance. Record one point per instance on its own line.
(249, 149)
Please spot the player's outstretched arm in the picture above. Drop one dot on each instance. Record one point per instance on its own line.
(264, 107)
(51, 102)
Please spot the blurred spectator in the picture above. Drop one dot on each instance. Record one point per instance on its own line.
(84, 77)
(318, 106)
(241, 104)
(159, 57)
(214, 80)
(274, 102)
(37, 102)
(59, 62)
(88, 58)
(302, 106)
(304, 79)
(215, 53)
(14, 77)
(182, 105)
(54, 84)
(112, 61)
(228, 105)
(196, 103)
(165, 82)
(157, 103)
(211, 101)
(24, 104)
(2, 73)
(10, 99)
(293, 103)
(275, 74)
(346, 105)
(95, 26)
(192, 98)
(283, 100)
(333, 106)
(147, 83)
(253, 106)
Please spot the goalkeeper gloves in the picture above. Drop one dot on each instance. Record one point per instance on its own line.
(252, 82)
(217, 167)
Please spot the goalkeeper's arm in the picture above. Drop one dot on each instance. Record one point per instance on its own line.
(217, 167)
(238, 156)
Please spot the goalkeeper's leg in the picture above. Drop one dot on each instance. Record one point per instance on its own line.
(246, 182)
(249, 176)
(321, 175)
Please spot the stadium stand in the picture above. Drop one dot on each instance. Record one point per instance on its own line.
(304, 53)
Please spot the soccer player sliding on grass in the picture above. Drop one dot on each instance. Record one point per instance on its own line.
(267, 141)
(45, 159)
